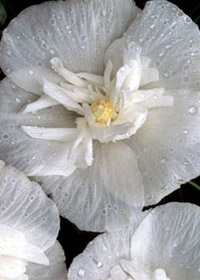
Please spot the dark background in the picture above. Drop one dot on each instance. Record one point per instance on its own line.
(73, 240)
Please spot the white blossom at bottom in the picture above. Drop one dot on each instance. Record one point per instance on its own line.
(29, 225)
(162, 245)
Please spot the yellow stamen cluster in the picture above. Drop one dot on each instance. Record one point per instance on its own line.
(102, 110)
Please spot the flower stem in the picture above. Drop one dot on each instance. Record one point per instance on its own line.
(194, 185)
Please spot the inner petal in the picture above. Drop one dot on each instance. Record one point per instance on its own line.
(159, 274)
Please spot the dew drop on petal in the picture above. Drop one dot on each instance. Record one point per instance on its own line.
(68, 27)
(81, 272)
(99, 264)
(52, 52)
(103, 12)
(18, 100)
(9, 53)
(31, 72)
(193, 110)
(167, 228)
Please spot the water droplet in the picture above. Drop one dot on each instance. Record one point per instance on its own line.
(83, 47)
(163, 161)
(52, 52)
(167, 229)
(9, 53)
(18, 100)
(83, 37)
(185, 131)
(68, 27)
(31, 72)
(193, 110)
(99, 264)
(52, 21)
(81, 272)
(168, 47)
(103, 12)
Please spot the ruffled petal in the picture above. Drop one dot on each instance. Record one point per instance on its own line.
(40, 33)
(13, 244)
(167, 145)
(171, 40)
(21, 200)
(160, 244)
(33, 156)
(168, 238)
(92, 198)
(105, 250)
(56, 268)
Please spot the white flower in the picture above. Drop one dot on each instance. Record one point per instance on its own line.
(29, 224)
(105, 121)
(162, 244)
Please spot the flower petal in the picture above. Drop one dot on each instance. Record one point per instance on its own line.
(56, 134)
(106, 249)
(55, 270)
(168, 238)
(14, 244)
(40, 33)
(11, 268)
(168, 145)
(21, 200)
(171, 40)
(33, 156)
(92, 198)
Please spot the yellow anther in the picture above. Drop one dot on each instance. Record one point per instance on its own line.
(102, 110)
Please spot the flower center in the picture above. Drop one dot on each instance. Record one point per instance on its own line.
(102, 111)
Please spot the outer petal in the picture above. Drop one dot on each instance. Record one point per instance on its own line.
(168, 238)
(168, 146)
(25, 207)
(56, 269)
(111, 187)
(76, 31)
(104, 252)
(171, 40)
(33, 156)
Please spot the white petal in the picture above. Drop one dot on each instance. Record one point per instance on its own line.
(11, 268)
(168, 238)
(33, 156)
(168, 145)
(96, 79)
(92, 198)
(22, 199)
(56, 269)
(82, 150)
(107, 75)
(43, 102)
(149, 75)
(13, 244)
(140, 95)
(106, 250)
(59, 95)
(171, 40)
(77, 32)
(69, 76)
(57, 134)
(105, 134)
(156, 101)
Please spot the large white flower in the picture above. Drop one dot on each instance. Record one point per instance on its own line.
(110, 121)
(162, 245)
(29, 224)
